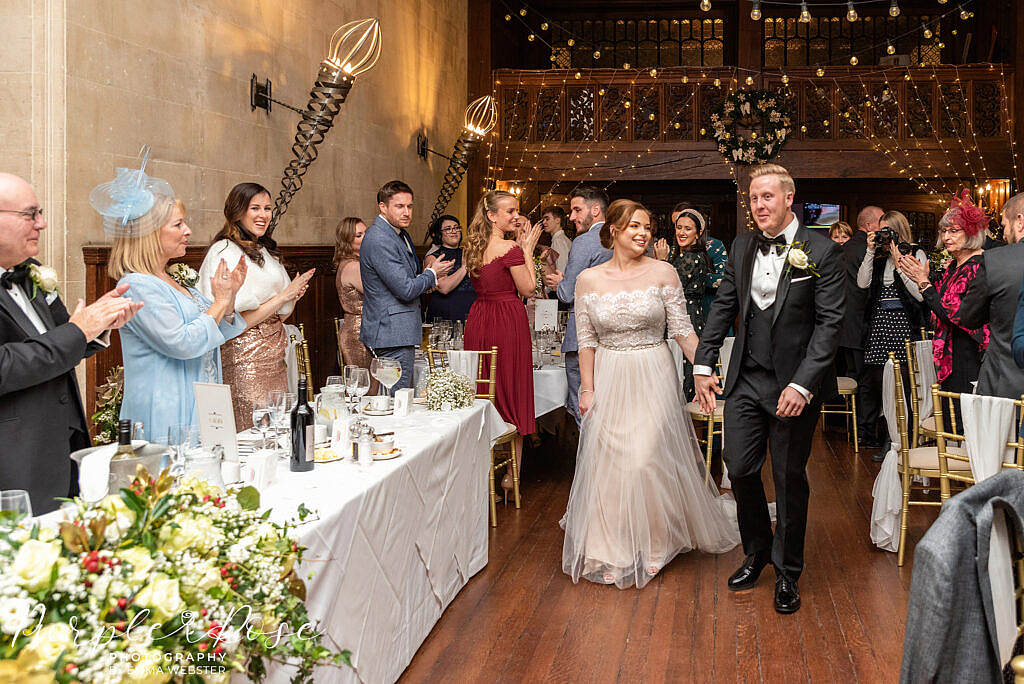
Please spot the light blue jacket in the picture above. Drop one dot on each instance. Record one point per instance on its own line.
(168, 345)
(586, 251)
(392, 285)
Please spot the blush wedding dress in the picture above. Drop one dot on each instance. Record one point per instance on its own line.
(638, 495)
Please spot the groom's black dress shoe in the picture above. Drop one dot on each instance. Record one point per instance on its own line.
(747, 575)
(787, 596)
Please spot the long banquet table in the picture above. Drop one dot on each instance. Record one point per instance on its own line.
(393, 544)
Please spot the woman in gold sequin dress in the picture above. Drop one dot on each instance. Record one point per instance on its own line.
(348, 237)
(254, 361)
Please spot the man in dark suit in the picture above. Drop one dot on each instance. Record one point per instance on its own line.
(785, 284)
(851, 335)
(992, 300)
(41, 415)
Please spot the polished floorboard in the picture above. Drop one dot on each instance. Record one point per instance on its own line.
(522, 620)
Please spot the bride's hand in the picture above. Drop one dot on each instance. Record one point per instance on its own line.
(586, 402)
(707, 388)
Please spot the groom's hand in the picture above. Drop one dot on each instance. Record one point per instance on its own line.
(791, 403)
(706, 387)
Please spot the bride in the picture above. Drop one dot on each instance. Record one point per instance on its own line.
(638, 496)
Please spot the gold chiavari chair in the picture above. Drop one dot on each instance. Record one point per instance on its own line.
(913, 461)
(924, 426)
(488, 360)
(848, 408)
(337, 339)
(716, 418)
(953, 462)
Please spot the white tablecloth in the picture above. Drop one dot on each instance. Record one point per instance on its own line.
(550, 387)
(395, 543)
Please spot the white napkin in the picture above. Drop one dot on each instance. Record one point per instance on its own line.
(925, 378)
(988, 428)
(464, 362)
(94, 473)
(887, 492)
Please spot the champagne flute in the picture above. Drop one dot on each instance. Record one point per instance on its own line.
(350, 381)
(16, 500)
(361, 383)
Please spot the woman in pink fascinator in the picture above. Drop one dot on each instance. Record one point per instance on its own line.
(958, 350)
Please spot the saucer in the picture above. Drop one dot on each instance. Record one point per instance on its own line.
(374, 412)
(394, 453)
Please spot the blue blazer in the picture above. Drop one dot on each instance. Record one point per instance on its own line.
(392, 285)
(586, 251)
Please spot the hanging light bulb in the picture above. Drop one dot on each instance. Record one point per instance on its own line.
(851, 12)
(820, 72)
(750, 80)
(544, 26)
(805, 14)
(531, 37)
(755, 13)
(894, 9)
(718, 82)
(597, 54)
(522, 12)
(890, 49)
(963, 13)
(785, 79)
(508, 17)
(853, 60)
(705, 5)
(570, 42)
(943, 2)
(927, 31)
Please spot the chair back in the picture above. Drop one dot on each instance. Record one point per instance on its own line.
(337, 339)
(901, 409)
(486, 361)
(947, 430)
(436, 358)
(915, 390)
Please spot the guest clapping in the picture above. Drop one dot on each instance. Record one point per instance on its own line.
(454, 294)
(253, 362)
(554, 222)
(41, 416)
(174, 341)
(957, 349)
(392, 282)
(348, 238)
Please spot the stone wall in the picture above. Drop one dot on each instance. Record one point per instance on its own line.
(85, 83)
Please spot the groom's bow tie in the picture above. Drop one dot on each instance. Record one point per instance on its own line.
(16, 276)
(765, 243)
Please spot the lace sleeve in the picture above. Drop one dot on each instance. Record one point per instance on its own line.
(676, 318)
(586, 334)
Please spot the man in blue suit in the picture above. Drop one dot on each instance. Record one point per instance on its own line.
(587, 205)
(392, 282)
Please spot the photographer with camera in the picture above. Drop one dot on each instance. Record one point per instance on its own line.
(894, 312)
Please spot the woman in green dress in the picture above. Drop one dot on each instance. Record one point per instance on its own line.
(688, 254)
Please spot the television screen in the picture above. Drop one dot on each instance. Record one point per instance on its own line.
(820, 215)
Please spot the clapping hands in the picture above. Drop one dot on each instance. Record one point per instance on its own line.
(109, 312)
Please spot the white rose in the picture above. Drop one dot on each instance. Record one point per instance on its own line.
(33, 563)
(798, 258)
(15, 615)
(50, 641)
(140, 560)
(45, 276)
(100, 586)
(162, 595)
(68, 577)
(118, 512)
(208, 577)
(191, 533)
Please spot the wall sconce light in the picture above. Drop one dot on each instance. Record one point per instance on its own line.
(481, 116)
(354, 49)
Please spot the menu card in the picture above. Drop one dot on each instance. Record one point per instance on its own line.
(546, 315)
(216, 418)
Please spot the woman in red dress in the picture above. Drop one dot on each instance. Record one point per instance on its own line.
(501, 277)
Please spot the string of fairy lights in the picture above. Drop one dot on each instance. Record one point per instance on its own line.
(929, 176)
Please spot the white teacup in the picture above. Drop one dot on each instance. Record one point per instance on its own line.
(380, 402)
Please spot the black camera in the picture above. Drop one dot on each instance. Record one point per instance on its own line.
(885, 236)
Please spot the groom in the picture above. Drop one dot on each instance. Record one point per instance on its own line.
(785, 284)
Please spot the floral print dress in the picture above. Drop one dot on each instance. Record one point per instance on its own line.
(957, 350)
(694, 274)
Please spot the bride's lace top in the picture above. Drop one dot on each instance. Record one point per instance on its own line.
(630, 312)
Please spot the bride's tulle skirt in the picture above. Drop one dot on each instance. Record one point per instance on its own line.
(638, 495)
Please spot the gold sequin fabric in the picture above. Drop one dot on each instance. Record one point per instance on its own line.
(353, 352)
(253, 365)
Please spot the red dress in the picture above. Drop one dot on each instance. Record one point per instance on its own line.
(498, 319)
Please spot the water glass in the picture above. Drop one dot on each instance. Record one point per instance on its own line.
(182, 439)
(350, 382)
(262, 418)
(16, 500)
(334, 380)
(361, 383)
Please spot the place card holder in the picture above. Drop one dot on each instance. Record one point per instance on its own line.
(403, 401)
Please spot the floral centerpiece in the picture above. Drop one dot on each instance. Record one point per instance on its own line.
(764, 109)
(160, 582)
(447, 390)
(108, 406)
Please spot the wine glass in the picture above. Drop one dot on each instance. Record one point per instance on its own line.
(387, 371)
(181, 438)
(361, 383)
(350, 381)
(262, 418)
(16, 500)
(335, 380)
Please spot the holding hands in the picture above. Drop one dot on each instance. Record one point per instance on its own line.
(707, 389)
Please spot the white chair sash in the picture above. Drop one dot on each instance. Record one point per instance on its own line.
(925, 378)
(887, 492)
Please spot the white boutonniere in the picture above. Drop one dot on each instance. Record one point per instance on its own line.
(184, 275)
(43, 279)
(798, 259)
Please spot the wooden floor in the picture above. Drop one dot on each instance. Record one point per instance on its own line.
(522, 619)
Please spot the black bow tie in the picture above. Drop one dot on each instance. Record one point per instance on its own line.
(765, 243)
(16, 276)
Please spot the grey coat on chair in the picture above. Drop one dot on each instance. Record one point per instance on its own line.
(392, 285)
(951, 633)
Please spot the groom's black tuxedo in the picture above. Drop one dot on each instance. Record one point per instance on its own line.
(792, 341)
(41, 415)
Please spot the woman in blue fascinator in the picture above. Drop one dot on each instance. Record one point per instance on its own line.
(177, 342)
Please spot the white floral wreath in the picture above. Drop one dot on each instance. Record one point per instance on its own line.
(751, 107)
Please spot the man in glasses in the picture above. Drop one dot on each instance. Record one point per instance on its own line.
(41, 416)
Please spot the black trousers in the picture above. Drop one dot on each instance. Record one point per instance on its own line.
(751, 429)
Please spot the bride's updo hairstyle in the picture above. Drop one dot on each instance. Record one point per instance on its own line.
(617, 217)
(478, 233)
